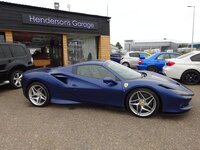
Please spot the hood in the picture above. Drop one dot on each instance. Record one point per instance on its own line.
(153, 78)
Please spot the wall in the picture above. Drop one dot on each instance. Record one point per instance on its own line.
(104, 47)
(9, 36)
(12, 18)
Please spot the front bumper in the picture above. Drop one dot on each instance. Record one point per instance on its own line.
(179, 104)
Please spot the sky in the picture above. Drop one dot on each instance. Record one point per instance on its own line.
(138, 20)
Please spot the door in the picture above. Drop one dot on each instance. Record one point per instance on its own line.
(88, 86)
(55, 51)
(5, 59)
(160, 60)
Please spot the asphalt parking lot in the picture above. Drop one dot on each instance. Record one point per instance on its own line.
(85, 127)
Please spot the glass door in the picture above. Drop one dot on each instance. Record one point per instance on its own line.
(55, 51)
(2, 37)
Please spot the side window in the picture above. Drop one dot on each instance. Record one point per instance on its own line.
(5, 51)
(163, 57)
(195, 57)
(18, 51)
(134, 54)
(146, 55)
(174, 55)
(94, 71)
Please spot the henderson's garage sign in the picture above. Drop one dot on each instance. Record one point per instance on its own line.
(59, 22)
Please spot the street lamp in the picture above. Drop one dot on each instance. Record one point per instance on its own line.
(192, 44)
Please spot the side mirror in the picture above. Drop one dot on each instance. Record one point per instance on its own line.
(141, 56)
(109, 80)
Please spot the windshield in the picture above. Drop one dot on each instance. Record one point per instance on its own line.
(123, 71)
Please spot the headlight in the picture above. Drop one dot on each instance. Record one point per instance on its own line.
(182, 93)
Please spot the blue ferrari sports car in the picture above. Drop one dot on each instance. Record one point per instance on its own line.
(107, 83)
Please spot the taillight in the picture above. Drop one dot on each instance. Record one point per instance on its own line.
(170, 63)
(140, 62)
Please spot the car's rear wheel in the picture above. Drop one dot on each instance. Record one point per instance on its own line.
(38, 94)
(15, 78)
(152, 68)
(142, 102)
(126, 64)
(190, 77)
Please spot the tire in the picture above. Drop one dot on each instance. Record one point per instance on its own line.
(190, 77)
(142, 102)
(126, 64)
(15, 78)
(152, 68)
(38, 94)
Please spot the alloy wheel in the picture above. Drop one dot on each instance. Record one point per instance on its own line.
(17, 79)
(38, 94)
(143, 103)
(191, 77)
(152, 68)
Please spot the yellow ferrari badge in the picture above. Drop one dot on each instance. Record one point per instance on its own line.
(125, 85)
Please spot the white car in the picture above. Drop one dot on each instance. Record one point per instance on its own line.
(130, 59)
(185, 68)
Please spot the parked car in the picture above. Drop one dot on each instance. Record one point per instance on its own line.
(155, 62)
(185, 68)
(116, 57)
(130, 59)
(15, 58)
(106, 83)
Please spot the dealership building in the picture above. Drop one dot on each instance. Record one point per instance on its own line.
(55, 37)
(162, 45)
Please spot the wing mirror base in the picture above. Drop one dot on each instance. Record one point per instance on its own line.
(109, 80)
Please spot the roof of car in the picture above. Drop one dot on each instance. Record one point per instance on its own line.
(136, 52)
(167, 53)
(196, 51)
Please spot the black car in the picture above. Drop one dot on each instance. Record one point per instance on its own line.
(116, 57)
(15, 58)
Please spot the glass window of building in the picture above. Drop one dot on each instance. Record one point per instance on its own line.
(46, 49)
(81, 49)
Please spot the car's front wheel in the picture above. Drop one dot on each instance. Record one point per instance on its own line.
(38, 94)
(142, 102)
(191, 77)
(15, 78)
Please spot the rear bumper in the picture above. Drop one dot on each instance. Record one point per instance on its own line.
(172, 73)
